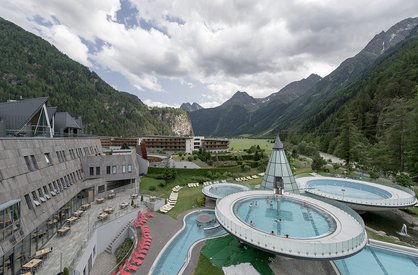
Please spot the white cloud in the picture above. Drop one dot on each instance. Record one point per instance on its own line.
(255, 46)
(151, 103)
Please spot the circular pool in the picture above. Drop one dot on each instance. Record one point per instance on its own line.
(284, 217)
(220, 190)
(291, 224)
(359, 195)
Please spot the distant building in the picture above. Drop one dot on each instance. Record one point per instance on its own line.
(185, 144)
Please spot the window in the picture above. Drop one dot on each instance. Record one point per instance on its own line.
(114, 169)
(35, 198)
(41, 195)
(100, 189)
(28, 163)
(48, 159)
(108, 171)
(28, 201)
(35, 164)
(123, 168)
(51, 189)
(98, 170)
(64, 156)
(129, 168)
(91, 171)
(47, 196)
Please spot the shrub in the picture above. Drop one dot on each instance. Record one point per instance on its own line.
(122, 252)
(190, 158)
(162, 183)
(403, 179)
(66, 271)
(151, 188)
(200, 200)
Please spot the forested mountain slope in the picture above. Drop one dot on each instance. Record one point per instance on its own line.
(31, 67)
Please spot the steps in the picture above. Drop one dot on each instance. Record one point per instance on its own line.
(110, 246)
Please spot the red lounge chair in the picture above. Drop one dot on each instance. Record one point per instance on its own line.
(135, 260)
(149, 214)
(144, 246)
(122, 271)
(143, 251)
(129, 266)
(114, 273)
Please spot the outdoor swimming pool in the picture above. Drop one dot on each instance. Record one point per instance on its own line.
(348, 189)
(284, 217)
(175, 254)
(218, 191)
(373, 260)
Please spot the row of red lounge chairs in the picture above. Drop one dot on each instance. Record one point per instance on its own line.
(138, 254)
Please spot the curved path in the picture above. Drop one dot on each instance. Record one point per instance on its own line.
(220, 190)
(348, 238)
(389, 198)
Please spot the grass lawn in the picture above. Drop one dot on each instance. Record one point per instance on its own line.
(388, 239)
(412, 210)
(226, 251)
(239, 144)
(205, 267)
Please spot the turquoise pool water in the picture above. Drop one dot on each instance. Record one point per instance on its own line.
(225, 190)
(348, 189)
(376, 261)
(283, 217)
(175, 253)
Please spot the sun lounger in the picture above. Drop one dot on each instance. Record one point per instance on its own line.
(129, 266)
(135, 260)
(122, 271)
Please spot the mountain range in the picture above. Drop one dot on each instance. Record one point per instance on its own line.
(243, 114)
(301, 105)
(190, 107)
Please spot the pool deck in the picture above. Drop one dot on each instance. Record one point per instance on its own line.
(162, 228)
(398, 199)
(348, 238)
(207, 190)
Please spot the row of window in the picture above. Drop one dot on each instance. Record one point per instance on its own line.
(32, 164)
(52, 189)
(95, 171)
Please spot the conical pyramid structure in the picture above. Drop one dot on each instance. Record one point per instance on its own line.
(278, 168)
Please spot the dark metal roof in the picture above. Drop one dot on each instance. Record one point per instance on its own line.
(51, 112)
(278, 144)
(64, 120)
(17, 113)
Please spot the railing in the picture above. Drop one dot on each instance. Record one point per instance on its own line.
(389, 202)
(316, 248)
(134, 244)
(92, 230)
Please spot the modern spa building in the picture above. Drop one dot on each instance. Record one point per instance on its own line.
(45, 177)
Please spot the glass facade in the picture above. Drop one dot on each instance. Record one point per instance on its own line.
(11, 262)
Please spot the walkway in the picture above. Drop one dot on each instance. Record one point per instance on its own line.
(162, 228)
(68, 246)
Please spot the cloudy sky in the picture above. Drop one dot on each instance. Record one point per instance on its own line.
(169, 52)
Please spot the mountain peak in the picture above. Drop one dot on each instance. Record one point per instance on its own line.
(395, 34)
(241, 98)
(190, 107)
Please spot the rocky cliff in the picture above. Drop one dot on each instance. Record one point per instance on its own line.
(177, 119)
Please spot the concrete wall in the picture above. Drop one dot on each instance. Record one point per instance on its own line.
(17, 180)
(101, 238)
